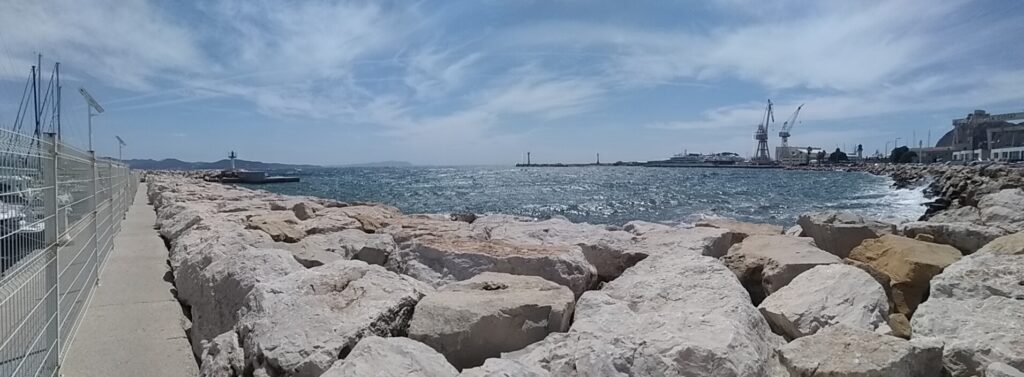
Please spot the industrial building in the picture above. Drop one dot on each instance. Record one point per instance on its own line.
(791, 156)
(981, 136)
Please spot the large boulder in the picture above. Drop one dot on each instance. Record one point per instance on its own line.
(302, 323)
(669, 315)
(211, 239)
(280, 228)
(977, 308)
(910, 265)
(965, 236)
(319, 249)
(508, 368)
(1004, 208)
(222, 357)
(826, 296)
(1002, 370)
(765, 264)
(215, 292)
(740, 229)
(966, 214)
(840, 232)
(391, 357)
(605, 250)
(439, 261)
(846, 352)
(471, 320)
(712, 242)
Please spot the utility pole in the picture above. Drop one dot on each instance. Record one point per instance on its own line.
(599, 159)
(527, 158)
(57, 101)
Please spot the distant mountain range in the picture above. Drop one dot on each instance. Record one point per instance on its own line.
(176, 164)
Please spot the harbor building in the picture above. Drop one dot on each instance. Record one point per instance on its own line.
(983, 136)
(792, 156)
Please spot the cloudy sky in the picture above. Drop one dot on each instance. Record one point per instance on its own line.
(482, 82)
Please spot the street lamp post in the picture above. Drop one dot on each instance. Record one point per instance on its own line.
(92, 105)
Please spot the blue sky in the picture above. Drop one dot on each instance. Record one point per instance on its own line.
(482, 82)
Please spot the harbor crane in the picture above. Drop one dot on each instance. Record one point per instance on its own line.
(788, 125)
(762, 156)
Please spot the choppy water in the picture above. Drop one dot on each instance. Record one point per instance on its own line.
(613, 195)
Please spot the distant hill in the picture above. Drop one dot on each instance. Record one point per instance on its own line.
(176, 164)
(378, 164)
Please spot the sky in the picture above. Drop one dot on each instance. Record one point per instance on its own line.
(483, 82)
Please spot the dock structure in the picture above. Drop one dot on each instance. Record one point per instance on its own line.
(134, 326)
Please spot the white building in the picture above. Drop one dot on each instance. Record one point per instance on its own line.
(795, 155)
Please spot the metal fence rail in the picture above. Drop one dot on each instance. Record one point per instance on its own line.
(60, 208)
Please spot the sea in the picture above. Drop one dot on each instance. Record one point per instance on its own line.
(614, 195)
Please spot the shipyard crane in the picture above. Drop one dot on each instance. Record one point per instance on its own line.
(788, 125)
(762, 156)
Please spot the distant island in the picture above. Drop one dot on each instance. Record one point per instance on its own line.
(176, 164)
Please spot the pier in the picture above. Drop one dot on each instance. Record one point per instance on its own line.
(134, 326)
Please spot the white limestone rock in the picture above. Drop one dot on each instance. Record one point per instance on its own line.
(765, 264)
(976, 306)
(300, 324)
(1004, 208)
(669, 315)
(222, 357)
(1002, 370)
(215, 292)
(471, 320)
(391, 357)
(841, 351)
(825, 296)
(840, 232)
(505, 368)
(438, 261)
(965, 236)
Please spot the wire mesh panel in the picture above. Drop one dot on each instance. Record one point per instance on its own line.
(59, 211)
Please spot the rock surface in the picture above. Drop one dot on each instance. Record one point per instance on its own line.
(505, 368)
(1004, 208)
(391, 357)
(977, 308)
(826, 296)
(841, 351)
(740, 229)
(965, 236)
(765, 264)
(300, 324)
(440, 261)
(280, 228)
(215, 293)
(471, 320)
(222, 357)
(669, 315)
(1002, 370)
(840, 232)
(910, 265)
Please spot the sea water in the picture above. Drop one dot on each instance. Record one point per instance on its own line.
(614, 195)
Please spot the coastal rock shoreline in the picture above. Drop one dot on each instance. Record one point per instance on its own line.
(282, 285)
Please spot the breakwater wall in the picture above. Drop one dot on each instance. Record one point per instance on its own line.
(300, 286)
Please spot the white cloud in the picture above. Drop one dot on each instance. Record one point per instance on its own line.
(122, 43)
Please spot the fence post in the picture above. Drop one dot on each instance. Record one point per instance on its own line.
(95, 217)
(51, 235)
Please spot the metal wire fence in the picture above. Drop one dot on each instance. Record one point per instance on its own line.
(60, 208)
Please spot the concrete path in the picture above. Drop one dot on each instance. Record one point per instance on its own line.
(133, 326)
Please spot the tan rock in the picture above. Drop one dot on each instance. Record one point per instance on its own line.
(910, 265)
(740, 229)
(900, 325)
(281, 228)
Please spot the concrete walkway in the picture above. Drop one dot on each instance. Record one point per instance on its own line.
(133, 326)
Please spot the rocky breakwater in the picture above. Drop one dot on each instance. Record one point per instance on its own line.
(300, 286)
